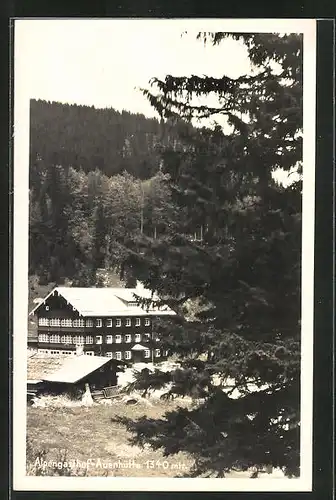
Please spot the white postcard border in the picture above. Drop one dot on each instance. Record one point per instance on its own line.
(20, 277)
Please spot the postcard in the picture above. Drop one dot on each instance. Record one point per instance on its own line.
(163, 254)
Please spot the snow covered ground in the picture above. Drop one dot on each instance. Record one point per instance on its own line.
(126, 377)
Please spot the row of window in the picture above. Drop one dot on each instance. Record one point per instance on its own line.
(89, 323)
(119, 355)
(63, 353)
(89, 339)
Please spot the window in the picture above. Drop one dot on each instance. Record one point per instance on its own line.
(99, 339)
(137, 337)
(109, 354)
(89, 323)
(43, 351)
(147, 353)
(89, 353)
(128, 322)
(109, 323)
(132, 304)
(66, 322)
(127, 354)
(47, 308)
(99, 323)
(89, 340)
(43, 337)
(55, 322)
(157, 353)
(147, 337)
(78, 339)
(118, 355)
(118, 322)
(43, 322)
(67, 353)
(198, 234)
(108, 339)
(147, 322)
(55, 339)
(165, 353)
(118, 339)
(54, 352)
(66, 339)
(137, 322)
(128, 338)
(78, 323)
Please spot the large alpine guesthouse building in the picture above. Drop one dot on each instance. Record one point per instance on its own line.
(103, 321)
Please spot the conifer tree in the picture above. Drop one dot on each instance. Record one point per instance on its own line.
(236, 287)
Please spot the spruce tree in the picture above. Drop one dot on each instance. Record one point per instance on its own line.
(236, 285)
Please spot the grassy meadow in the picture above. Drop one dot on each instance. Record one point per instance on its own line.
(80, 433)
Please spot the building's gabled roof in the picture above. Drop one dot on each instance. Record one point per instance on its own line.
(75, 368)
(105, 301)
(139, 347)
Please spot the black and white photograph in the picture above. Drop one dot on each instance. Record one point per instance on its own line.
(163, 254)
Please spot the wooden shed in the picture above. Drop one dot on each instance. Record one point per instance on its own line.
(70, 374)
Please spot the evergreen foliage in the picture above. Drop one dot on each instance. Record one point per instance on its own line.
(229, 263)
(79, 222)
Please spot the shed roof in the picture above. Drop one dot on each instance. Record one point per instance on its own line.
(40, 365)
(106, 301)
(76, 368)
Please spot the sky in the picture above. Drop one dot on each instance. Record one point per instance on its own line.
(104, 62)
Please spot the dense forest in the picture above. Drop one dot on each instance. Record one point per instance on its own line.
(95, 177)
(88, 138)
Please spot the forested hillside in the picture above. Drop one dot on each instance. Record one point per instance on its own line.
(80, 222)
(95, 179)
(89, 138)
